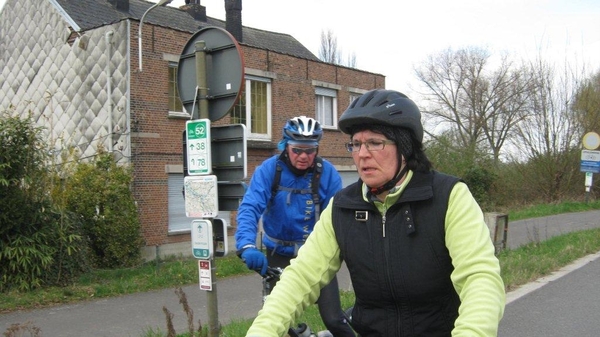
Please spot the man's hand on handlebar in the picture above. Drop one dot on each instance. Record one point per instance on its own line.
(255, 260)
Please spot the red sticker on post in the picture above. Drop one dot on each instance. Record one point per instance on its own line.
(205, 275)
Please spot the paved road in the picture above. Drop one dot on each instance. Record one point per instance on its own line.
(567, 304)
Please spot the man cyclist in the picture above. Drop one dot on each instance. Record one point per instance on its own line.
(282, 193)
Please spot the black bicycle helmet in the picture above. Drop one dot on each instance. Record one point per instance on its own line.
(384, 107)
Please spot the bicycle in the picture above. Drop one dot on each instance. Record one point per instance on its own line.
(301, 330)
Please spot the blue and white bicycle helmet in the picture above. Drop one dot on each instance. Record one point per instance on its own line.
(301, 131)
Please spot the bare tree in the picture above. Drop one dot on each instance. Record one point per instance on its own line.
(549, 137)
(482, 104)
(330, 53)
(351, 62)
(587, 104)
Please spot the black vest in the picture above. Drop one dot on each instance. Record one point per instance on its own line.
(401, 280)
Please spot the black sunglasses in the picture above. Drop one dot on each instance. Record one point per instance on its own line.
(299, 150)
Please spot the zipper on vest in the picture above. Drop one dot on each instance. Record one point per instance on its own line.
(383, 216)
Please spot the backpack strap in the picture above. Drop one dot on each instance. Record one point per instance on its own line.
(316, 180)
(275, 185)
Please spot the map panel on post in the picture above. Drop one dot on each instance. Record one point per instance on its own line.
(201, 196)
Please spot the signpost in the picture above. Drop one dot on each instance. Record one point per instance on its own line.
(210, 79)
(590, 160)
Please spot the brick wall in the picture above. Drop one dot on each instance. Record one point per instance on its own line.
(156, 138)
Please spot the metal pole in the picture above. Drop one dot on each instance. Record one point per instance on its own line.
(160, 3)
(212, 304)
(201, 79)
(214, 328)
(140, 36)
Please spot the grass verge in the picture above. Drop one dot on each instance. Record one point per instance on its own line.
(169, 273)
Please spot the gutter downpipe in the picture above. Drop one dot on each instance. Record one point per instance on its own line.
(108, 36)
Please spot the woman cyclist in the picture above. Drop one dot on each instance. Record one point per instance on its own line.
(414, 240)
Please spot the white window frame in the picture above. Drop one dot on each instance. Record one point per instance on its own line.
(173, 67)
(173, 63)
(248, 98)
(326, 98)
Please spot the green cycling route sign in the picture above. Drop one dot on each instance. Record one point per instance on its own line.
(198, 147)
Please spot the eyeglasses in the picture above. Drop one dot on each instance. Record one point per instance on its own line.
(301, 150)
(371, 145)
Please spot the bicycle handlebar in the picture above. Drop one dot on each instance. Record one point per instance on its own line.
(273, 273)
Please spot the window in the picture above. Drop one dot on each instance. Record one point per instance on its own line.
(178, 221)
(326, 107)
(254, 108)
(353, 97)
(174, 100)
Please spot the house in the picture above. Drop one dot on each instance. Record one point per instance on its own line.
(75, 65)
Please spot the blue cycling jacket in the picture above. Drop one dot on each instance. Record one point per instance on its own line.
(290, 217)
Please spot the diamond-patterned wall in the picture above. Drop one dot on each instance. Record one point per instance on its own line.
(66, 87)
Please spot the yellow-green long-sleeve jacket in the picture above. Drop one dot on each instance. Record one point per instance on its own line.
(421, 263)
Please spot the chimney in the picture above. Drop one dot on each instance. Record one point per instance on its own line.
(233, 18)
(121, 5)
(195, 10)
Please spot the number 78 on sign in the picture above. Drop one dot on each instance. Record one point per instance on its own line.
(198, 147)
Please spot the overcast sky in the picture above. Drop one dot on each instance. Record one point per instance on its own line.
(390, 37)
